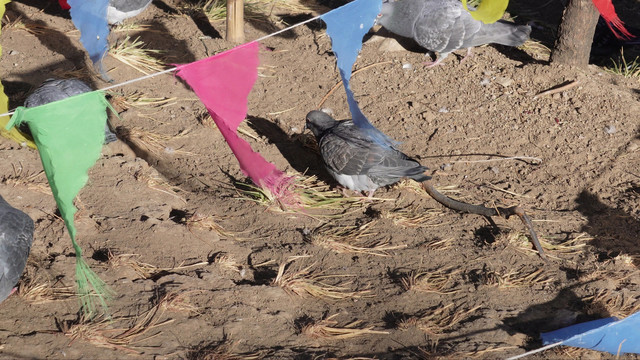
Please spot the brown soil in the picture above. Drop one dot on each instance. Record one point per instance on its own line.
(446, 285)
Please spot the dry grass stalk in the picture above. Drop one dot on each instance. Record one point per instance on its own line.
(260, 10)
(83, 74)
(414, 217)
(417, 188)
(616, 303)
(178, 302)
(126, 27)
(441, 320)
(156, 182)
(327, 329)
(152, 142)
(98, 333)
(436, 281)
(223, 351)
(35, 290)
(305, 193)
(440, 244)
(569, 352)
(138, 99)
(308, 283)
(227, 262)
(133, 53)
(210, 223)
(35, 181)
(483, 354)
(517, 278)
(569, 247)
(351, 239)
(31, 28)
(536, 48)
(147, 271)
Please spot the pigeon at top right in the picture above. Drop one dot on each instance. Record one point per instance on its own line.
(444, 26)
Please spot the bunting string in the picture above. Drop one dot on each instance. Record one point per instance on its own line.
(166, 71)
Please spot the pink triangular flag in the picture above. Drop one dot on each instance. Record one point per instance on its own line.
(223, 82)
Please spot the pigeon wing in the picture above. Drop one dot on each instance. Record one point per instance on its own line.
(16, 236)
(348, 150)
(437, 24)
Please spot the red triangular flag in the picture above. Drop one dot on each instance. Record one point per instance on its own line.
(608, 13)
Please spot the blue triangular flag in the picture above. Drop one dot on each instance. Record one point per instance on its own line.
(90, 17)
(610, 335)
(346, 26)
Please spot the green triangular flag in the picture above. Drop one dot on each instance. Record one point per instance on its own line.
(69, 134)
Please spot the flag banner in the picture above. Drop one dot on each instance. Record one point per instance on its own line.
(611, 335)
(69, 134)
(489, 11)
(90, 17)
(346, 26)
(223, 82)
(608, 13)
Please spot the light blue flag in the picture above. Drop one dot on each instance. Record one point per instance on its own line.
(90, 17)
(346, 26)
(610, 335)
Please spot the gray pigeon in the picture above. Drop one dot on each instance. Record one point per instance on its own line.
(444, 26)
(355, 160)
(55, 89)
(119, 10)
(16, 236)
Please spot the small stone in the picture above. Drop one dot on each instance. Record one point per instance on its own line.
(495, 170)
(390, 45)
(295, 130)
(506, 82)
(443, 110)
(485, 82)
(610, 129)
(446, 167)
(407, 66)
(13, 52)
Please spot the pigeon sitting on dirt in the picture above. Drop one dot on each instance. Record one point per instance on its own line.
(118, 10)
(444, 26)
(57, 89)
(16, 236)
(355, 160)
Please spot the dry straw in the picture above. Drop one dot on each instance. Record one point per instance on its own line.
(148, 271)
(134, 54)
(327, 329)
(441, 320)
(352, 239)
(101, 333)
(306, 283)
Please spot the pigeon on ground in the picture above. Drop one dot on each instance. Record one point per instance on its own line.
(57, 89)
(118, 10)
(444, 26)
(355, 160)
(16, 236)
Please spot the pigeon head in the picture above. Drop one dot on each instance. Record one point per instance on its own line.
(393, 18)
(319, 122)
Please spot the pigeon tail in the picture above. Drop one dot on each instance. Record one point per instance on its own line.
(500, 32)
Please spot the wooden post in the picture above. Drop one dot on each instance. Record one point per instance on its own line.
(575, 34)
(235, 21)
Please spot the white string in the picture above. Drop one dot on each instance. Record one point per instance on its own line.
(536, 351)
(175, 68)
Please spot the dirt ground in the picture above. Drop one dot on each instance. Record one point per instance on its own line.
(202, 269)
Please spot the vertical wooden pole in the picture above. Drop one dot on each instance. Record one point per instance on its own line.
(235, 21)
(575, 34)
